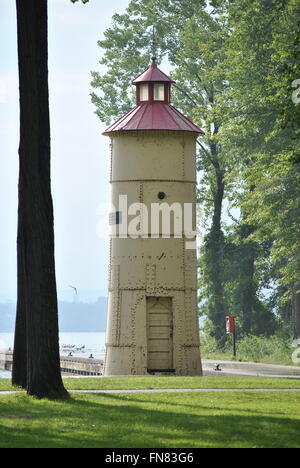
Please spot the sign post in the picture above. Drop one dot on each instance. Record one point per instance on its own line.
(231, 330)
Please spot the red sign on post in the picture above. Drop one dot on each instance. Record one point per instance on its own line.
(230, 325)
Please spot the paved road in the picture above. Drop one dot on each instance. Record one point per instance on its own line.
(249, 369)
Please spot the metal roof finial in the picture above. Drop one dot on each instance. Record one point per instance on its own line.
(154, 64)
(154, 46)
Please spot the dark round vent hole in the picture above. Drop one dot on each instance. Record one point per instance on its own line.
(162, 195)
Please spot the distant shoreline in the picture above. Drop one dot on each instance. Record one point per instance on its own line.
(74, 317)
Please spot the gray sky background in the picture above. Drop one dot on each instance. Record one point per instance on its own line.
(80, 154)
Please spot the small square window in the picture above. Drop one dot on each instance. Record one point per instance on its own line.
(159, 92)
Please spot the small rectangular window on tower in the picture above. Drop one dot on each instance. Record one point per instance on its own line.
(115, 218)
(159, 92)
(144, 92)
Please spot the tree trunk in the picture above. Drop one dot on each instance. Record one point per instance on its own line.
(248, 291)
(37, 301)
(218, 261)
(246, 279)
(214, 247)
(296, 315)
(19, 372)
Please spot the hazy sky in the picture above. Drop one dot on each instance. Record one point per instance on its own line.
(80, 154)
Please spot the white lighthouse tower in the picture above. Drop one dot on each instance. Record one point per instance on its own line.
(153, 324)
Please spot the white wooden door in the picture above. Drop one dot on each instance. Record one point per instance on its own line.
(160, 333)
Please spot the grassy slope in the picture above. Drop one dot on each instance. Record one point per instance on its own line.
(152, 420)
(132, 383)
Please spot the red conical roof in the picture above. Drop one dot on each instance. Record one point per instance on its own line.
(153, 74)
(154, 116)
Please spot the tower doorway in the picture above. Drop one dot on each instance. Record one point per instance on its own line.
(160, 334)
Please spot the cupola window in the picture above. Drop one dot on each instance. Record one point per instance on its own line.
(144, 92)
(159, 92)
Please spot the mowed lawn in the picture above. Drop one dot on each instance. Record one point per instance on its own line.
(140, 383)
(160, 420)
(180, 420)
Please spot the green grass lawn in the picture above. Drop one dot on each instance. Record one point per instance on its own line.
(170, 420)
(136, 383)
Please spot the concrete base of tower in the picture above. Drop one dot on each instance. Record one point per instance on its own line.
(125, 360)
(135, 361)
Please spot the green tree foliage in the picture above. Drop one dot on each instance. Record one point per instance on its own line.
(201, 75)
(129, 45)
(263, 52)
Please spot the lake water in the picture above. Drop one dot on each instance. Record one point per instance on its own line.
(93, 342)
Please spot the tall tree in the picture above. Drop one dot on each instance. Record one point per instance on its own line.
(36, 339)
(263, 123)
(200, 76)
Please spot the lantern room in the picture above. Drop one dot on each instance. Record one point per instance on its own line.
(153, 86)
(153, 110)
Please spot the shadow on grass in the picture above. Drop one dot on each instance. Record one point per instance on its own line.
(113, 421)
(244, 397)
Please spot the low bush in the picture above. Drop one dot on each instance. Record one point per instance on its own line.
(270, 350)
